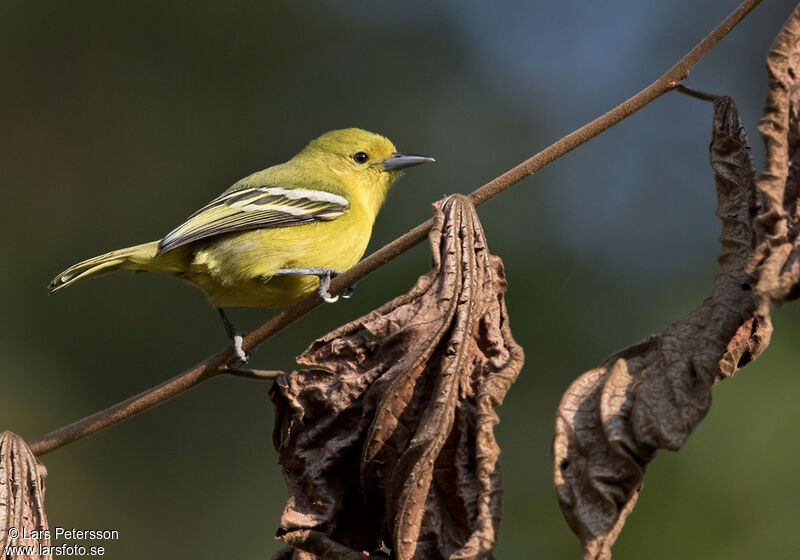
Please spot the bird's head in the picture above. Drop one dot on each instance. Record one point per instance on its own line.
(364, 162)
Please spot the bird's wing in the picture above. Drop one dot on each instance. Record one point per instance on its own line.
(256, 208)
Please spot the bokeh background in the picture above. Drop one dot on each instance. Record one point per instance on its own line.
(119, 119)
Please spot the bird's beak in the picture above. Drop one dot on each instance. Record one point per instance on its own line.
(399, 161)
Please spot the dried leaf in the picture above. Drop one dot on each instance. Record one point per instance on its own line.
(22, 518)
(777, 260)
(387, 440)
(613, 419)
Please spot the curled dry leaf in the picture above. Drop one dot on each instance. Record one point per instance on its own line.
(387, 441)
(777, 259)
(613, 419)
(22, 497)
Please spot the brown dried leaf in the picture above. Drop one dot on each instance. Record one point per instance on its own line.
(652, 395)
(777, 259)
(388, 438)
(22, 497)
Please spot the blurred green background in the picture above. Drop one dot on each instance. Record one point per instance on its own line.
(117, 120)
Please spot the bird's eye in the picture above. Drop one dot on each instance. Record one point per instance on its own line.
(360, 157)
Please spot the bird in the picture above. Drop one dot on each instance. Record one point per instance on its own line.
(277, 235)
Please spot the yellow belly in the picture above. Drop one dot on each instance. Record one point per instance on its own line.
(236, 270)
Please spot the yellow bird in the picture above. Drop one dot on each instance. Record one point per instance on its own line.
(277, 235)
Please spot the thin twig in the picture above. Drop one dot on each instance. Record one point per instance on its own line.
(260, 374)
(219, 362)
(696, 93)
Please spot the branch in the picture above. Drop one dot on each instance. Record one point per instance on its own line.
(218, 363)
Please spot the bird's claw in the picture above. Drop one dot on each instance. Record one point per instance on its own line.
(324, 286)
(238, 351)
(349, 291)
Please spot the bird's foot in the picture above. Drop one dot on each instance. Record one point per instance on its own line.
(237, 338)
(325, 284)
(241, 355)
(325, 275)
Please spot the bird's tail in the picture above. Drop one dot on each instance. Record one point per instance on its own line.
(138, 257)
